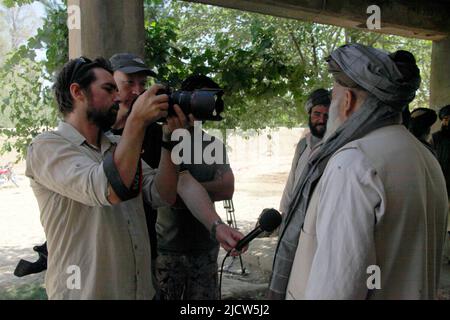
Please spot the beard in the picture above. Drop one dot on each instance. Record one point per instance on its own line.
(445, 130)
(317, 130)
(103, 119)
(334, 122)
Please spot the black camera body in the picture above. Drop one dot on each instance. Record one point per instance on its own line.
(204, 104)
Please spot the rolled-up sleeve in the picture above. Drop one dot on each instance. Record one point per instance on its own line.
(64, 169)
(149, 191)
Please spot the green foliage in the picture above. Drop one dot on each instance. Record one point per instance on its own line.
(266, 65)
(33, 291)
(26, 95)
(30, 103)
(12, 3)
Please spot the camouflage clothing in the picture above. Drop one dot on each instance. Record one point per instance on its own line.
(188, 276)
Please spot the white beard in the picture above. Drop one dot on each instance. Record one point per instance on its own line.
(334, 122)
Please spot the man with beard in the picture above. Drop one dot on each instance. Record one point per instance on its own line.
(369, 215)
(90, 187)
(317, 108)
(441, 143)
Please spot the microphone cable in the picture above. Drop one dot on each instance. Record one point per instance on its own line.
(221, 273)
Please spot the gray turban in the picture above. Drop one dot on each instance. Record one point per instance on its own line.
(392, 78)
(318, 97)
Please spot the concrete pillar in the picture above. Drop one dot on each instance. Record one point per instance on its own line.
(440, 74)
(105, 27)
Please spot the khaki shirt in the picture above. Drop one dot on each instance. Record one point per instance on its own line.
(96, 250)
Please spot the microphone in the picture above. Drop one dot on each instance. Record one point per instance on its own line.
(269, 220)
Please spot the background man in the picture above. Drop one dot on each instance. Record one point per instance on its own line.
(316, 106)
(441, 143)
(420, 124)
(374, 198)
(88, 187)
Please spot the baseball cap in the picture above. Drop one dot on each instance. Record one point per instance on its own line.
(130, 63)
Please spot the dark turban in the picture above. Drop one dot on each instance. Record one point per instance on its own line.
(318, 97)
(198, 81)
(423, 117)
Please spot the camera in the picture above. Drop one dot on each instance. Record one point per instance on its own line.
(204, 104)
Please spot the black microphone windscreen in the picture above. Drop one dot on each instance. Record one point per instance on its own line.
(270, 220)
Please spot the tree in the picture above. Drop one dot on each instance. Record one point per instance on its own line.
(26, 95)
(264, 62)
(266, 65)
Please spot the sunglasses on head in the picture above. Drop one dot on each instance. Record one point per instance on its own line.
(81, 63)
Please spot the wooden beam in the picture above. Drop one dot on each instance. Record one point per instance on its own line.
(423, 19)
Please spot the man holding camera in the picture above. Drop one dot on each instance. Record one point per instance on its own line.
(90, 187)
(131, 73)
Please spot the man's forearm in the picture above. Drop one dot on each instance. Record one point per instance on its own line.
(216, 191)
(197, 200)
(128, 151)
(167, 178)
(222, 187)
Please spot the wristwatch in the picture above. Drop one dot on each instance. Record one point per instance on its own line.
(214, 227)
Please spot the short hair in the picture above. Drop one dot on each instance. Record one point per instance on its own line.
(79, 71)
(198, 81)
(421, 121)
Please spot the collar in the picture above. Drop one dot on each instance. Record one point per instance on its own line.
(71, 134)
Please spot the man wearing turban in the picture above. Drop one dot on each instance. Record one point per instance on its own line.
(316, 107)
(421, 120)
(368, 216)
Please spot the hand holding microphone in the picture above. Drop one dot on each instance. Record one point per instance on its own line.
(231, 239)
(269, 220)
